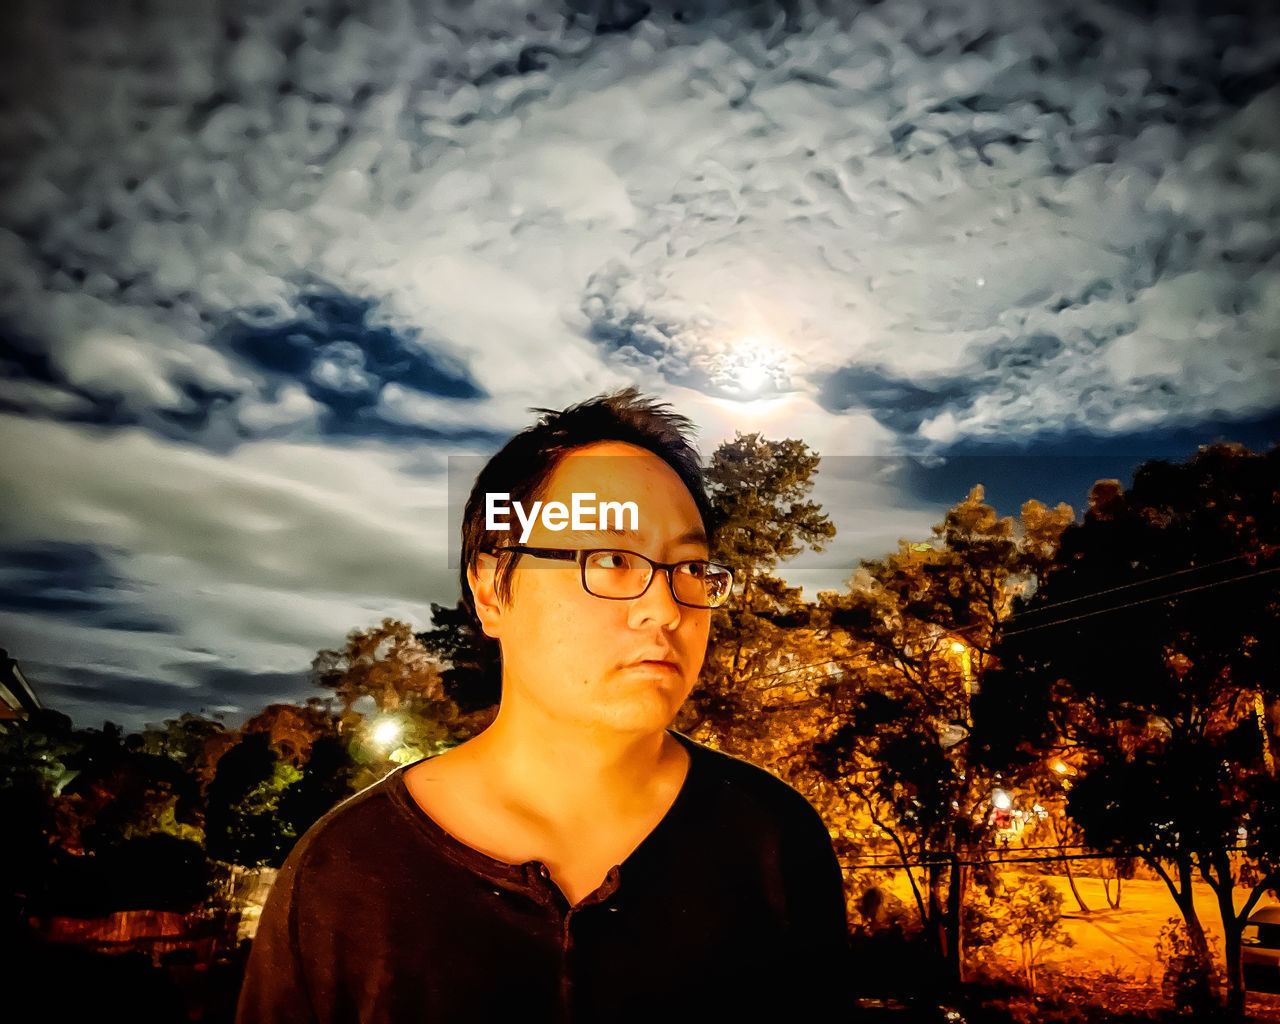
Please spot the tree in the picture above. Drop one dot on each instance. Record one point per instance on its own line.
(1153, 648)
(326, 780)
(36, 761)
(1116, 870)
(909, 746)
(243, 824)
(157, 871)
(120, 792)
(387, 663)
(40, 752)
(292, 730)
(760, 517)
(1028, 914)
(182, 739)
(1189, 980)
(472, 677)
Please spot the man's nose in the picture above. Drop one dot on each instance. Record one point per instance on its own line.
(657, 602)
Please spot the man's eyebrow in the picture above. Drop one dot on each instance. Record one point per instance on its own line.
(696, 535)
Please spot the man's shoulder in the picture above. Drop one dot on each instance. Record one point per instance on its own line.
(363, 826)
(735, 785)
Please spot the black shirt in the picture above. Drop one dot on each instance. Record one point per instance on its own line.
(733, 905)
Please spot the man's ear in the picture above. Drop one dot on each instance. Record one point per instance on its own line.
(482, 578)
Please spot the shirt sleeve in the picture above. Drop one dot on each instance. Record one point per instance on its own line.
(275, 986)
(820, 949)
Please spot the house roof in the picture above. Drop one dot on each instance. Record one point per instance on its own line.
(17, 698)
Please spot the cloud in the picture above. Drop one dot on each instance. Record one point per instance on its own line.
(890, 193)
(78, 583)
(35, 397)
(865, 499)
(279, 514)
(261, 558)
(285, 263)
(329, 367)
(291, 407)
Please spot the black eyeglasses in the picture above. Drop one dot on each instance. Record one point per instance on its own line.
(625, 575)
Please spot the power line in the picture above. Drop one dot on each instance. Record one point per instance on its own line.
(986, 863)
(1034, 849)
(1003, 860)
(1083, 615)
(1127, 586)
(1145, 600)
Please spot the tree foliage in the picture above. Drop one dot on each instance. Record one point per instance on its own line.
(756, 679)
(243, 823)
(1153, 648)
(1027, 915)
(387, 663)
(326, 780)
(909, 747)
(472, 676)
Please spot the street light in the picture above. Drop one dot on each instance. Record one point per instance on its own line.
(960, 650)
(386, 731)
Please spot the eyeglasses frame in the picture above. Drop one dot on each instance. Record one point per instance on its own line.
(580, 556)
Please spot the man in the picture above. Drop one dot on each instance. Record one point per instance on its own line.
(578, 860)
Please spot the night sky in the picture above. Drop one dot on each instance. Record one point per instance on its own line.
(267, 266)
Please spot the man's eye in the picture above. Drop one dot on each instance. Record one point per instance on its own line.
(611, 560)
(698, 570)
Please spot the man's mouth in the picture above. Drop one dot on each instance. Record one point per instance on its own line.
(654, 663)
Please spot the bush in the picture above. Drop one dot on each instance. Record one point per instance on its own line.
(155, 872)
(1190, 981)
(1027, 916)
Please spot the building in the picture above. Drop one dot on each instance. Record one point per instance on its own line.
(18, 701)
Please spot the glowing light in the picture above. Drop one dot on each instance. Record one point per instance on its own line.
(1060, 767)
(1000, 800)
(386, 732)
(752, 377)
(957, 647)
(749, 369)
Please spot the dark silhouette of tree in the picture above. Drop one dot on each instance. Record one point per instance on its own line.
(151, 872)
(472, 675)
(243, 824)
(761, 516)
(35, 762)
(292, 730)
(1152, 648)
(919, 626)
(120, 792)
(326, 780)
(182, 739)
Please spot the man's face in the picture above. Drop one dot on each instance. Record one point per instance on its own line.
(622, 665)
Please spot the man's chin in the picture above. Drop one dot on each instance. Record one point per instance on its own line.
(642, 713)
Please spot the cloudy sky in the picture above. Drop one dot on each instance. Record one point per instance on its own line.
(265, 266)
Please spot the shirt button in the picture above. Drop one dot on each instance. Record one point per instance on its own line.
(544, 871)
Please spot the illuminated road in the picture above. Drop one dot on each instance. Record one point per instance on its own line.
(1120, 943)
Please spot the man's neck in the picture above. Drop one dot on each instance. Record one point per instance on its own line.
(564, 774)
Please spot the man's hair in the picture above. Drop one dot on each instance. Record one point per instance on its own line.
(523, 468)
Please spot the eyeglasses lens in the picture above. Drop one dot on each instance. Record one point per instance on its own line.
(622, 575)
